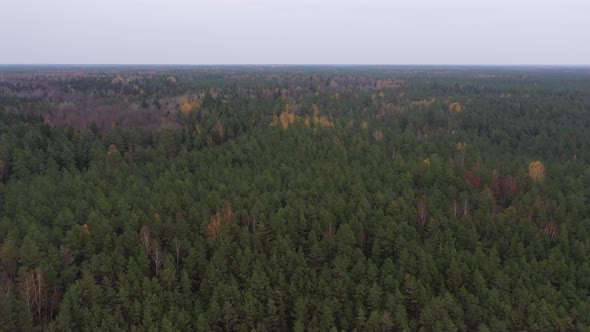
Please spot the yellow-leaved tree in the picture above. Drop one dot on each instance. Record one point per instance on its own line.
(537, 171)
(185, 108)
(317, 119)
(112, 148)
(85, 232)
(287, 117)
(455, 107)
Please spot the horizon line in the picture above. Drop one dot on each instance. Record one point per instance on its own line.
(294, 64)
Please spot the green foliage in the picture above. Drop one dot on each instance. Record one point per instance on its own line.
(225, 220)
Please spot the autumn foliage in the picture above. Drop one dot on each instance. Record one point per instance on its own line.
(85, 232)
(474, 180)
(392, 219)
(112, 148)
(217, 220)
(503, 188)
(213, 228)
(319, 119)
(461, 146)
(287, 117)
(423, 103)
(537, 171)
(185, 108)
(455, 107)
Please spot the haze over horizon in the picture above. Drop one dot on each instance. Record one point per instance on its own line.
(404, 32)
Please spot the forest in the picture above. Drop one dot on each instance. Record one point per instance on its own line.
(294, 198)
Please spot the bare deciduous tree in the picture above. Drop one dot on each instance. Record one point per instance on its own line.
(157, 254)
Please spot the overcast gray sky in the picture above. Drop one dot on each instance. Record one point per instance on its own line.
(295, 32)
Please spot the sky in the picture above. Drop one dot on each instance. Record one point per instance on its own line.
(452, 32)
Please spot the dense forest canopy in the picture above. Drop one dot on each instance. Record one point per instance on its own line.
(294, 198)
